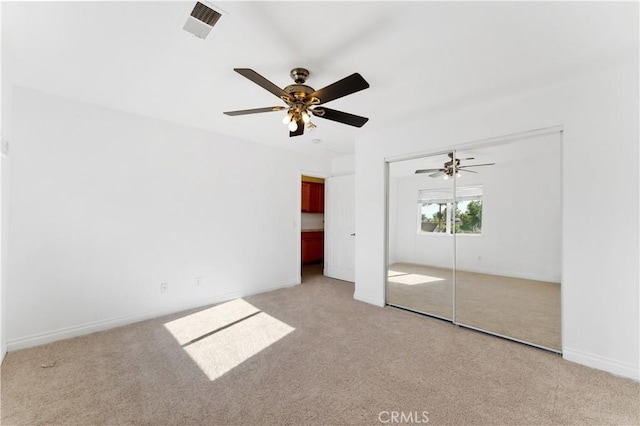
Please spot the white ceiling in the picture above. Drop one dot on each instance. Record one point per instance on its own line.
(420, 58)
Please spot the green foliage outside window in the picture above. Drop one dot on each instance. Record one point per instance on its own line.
(467, 221)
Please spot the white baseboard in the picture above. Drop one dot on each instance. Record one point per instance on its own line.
(338, 275)
(495, 271)
(514, 274)
(101, 325)
(368, 300)
(602, 363)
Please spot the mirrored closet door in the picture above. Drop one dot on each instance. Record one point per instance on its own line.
(420, 241)
(474, 237)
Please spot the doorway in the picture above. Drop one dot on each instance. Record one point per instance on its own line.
(312, 202)
(340, 235)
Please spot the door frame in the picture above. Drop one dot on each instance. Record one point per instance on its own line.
(298, 216)
(332, 239)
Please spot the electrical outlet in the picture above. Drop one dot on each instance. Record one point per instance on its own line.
(164, 287)
(198, 281)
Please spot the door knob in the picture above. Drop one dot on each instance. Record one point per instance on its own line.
(353, 235)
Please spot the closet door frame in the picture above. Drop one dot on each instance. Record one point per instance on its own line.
(477, 144)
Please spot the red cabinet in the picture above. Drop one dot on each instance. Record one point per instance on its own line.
(312, 197)
(312, 247)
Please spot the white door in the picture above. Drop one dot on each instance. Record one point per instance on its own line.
(339, 238)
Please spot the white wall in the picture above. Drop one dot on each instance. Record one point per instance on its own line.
(4, 240)
(3, 345)
(393, 221)
(521, 235)
(600, 275)
(5, 135)
(105, 206)
(344, 165)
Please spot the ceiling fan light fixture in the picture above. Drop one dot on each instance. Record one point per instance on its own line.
(299, 99)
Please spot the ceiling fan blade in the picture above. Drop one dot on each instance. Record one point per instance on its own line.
(476, 165)
(463, 170)
(263, 82)
(428, 170)
(439, 173)
(340, 117)
(254, 110)
(299, 131)
(346, 86)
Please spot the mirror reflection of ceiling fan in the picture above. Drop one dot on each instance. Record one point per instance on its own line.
(450, 169)
(300, 99)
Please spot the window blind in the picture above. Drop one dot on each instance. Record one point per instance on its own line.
(445, 195)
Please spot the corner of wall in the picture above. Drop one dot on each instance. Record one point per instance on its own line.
(602, 363)
(4, 215)
(375, 302)
(4, 245)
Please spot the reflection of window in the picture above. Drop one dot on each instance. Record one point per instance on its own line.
(436, 211)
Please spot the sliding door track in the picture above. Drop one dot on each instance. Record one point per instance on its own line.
(470, 327)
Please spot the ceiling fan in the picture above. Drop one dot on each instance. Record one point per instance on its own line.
(300, 99)
(449, 169)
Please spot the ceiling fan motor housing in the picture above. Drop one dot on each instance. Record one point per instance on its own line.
(299, 91)
(301, 99)
(299, 75)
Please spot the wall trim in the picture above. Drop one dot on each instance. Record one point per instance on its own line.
(106, 324)
(502, 272)
(610, 365)
(375, 302)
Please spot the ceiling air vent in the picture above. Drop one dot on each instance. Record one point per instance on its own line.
(201, 20)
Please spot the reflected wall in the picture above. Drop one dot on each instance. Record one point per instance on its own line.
(418, 279)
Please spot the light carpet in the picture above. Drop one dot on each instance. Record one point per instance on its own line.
(319, 357)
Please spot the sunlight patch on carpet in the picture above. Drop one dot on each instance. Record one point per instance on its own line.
(414, 279)
(224, 336)
(230, 347)
(196, 325)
